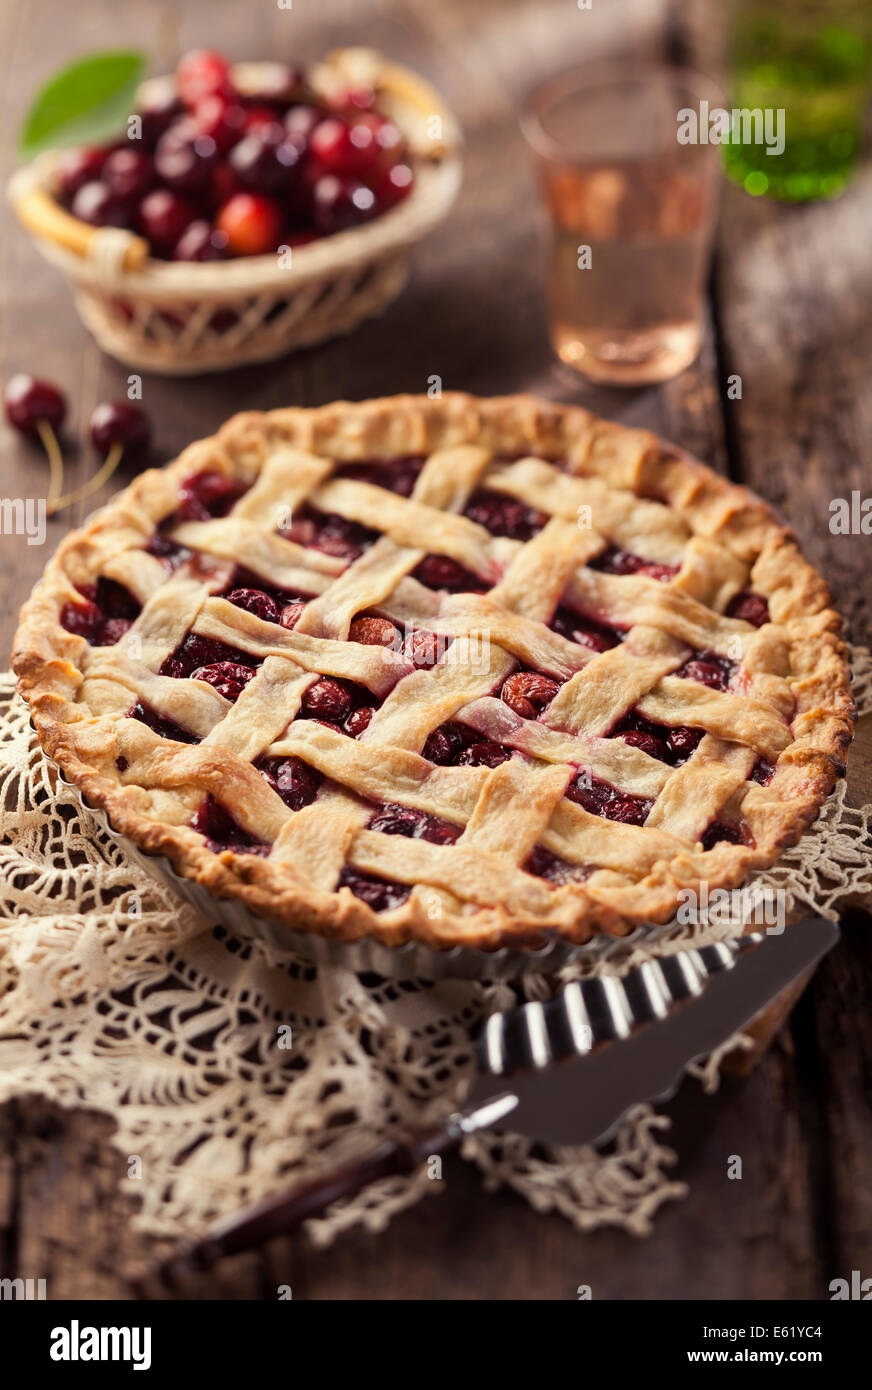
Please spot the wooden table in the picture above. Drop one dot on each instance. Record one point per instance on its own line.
(790, 305)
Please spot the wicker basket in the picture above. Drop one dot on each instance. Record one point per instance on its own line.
(183, 318)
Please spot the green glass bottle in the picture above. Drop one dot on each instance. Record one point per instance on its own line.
(811, 60)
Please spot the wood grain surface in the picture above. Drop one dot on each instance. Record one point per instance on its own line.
(789, 311)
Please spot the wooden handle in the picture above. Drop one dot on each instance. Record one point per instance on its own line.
(43, 216)
(249, 1229)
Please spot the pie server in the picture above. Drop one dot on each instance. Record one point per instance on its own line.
(564, 1072)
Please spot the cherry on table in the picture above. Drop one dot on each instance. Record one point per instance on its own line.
(28, 400)
(119, 423)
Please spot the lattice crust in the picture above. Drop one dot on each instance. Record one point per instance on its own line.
(700, 542)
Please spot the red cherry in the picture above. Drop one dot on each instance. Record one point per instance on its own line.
(119, 422)
(163, 216)
(340, 147)
(223, 121)
(77, 167)
(128, 173)
(341, 203)
(29, 400)
(251, 224)
(266, 159)
(223, 184)
(201, 73)
(393, 185)
(201, 242)
(157, 117)
(95, 204)
(184, 158)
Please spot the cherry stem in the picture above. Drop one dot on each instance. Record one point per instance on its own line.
(103, 474)
(55, 463)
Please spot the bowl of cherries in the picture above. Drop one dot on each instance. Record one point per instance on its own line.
(248, 209)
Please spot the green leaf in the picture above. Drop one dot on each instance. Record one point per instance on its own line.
(85, 103)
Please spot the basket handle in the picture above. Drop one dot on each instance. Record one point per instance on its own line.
(43, 216)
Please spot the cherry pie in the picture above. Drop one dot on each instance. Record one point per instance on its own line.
(458, 670)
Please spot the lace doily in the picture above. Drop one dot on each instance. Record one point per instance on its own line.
(231, 1073)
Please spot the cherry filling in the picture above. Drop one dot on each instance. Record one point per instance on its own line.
(396, 475)
(504, 516)
(615, 561)
(206, 495)
(762, 772)
(165, 727)
(292, 779)
(528, 693)
(106, 612)
(222, 831)
(381, 894)
(709, 669)
(170, 554)
(439, 572)
(225, 668)
(271, 605)
(719, 833)
(602, 800)
(391, 819)
(328, 532)
(544, 864)
(457, 745)
(669, 745)
(750, 607)
(585, 631)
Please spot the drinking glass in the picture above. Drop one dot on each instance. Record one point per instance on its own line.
(631, 212)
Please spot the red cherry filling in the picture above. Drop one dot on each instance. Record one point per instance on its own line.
(104, 615)
(602, 800)
(165, 727)
(615, 561)
(762, 772)
(195, 652)
(229, 678)
(584, 631)
(504, 516)
(380, 894)
(328, 532)
(294, 780)
(709, 669)
(222, 831)
(206, 495)
(528, 693)
(257, 602)
(415, 825)
(670, 745)
(750, 607)
(396, 475)
(544, 864)
(485, 753)
(719, 833)
(438, 572)
(168, 552)
(447, 742)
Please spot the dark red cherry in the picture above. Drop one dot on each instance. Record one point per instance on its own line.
(78, 167)
(443, 744)
(648, 743)
(327, 699)
(83, 619)
(709, 669)
(163, 217)
(392, 185)
(201, 242)
(485, 753)
(227, 677)
(295, 781)
(681, 742)
(358, 720)
(266, 159)
(340, 203)
(207, 494)
(128, 173)
(223, 120)
(380, 894)
(762, 772)
(751, 608)
(157, 117)
(503, 516)
(97, 205)
(439, 572)
(612, 560)
(165, 727)
(391, 819)
(184, 158)
(257, 602)
(200, 73)
(119, 422)
(28, 400)
(719, 833)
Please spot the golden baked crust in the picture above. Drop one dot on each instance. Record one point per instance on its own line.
(791, 704)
